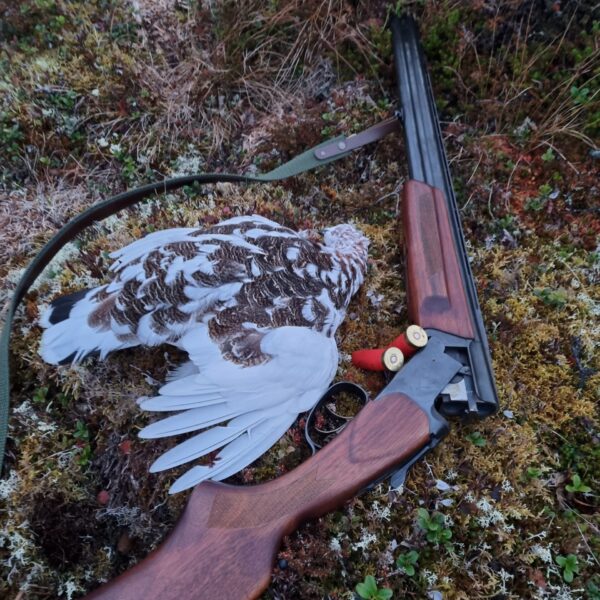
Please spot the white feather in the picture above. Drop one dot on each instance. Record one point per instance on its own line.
(253, 219)
(258, 233)
(206, 442)
(173, 403)
(183, 370)
(74, 336)
(239, 453)
(262, 400)
(292, 253)
(191, 420)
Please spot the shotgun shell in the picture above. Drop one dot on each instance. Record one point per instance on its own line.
(411, 340)
(393, 359)
(371, 360)
(407, 344)
(416, 336)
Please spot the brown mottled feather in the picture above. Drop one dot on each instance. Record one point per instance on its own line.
(281, 283)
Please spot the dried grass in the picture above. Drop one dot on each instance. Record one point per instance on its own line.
(263, 58)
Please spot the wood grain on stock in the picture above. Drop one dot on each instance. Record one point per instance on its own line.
(436, 294)
(225, 543)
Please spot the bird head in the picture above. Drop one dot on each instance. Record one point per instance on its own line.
(349, 241)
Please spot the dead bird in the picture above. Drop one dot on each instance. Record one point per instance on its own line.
(254, 304)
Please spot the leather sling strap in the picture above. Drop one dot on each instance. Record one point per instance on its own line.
(319, 155)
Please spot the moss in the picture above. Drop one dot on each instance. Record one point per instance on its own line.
(110, 95)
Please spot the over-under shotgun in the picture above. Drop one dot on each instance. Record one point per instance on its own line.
(225, 543)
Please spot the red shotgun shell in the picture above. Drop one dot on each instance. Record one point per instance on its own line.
(401, 349)
(411, 340)
(371, 360)
(379, 359)
(393, 359)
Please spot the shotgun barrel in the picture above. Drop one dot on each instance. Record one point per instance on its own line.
(427, 163)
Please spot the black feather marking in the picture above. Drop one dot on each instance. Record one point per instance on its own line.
(61, 307)
(69, 359)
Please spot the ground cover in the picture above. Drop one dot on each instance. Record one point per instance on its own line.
(101, 96)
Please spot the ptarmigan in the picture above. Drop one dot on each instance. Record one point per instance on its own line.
(254, 304)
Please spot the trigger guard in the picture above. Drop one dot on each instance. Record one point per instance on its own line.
(341, 386)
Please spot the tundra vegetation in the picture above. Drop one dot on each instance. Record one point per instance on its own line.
(99, 96)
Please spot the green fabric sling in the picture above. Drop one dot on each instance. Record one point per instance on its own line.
(319, 155)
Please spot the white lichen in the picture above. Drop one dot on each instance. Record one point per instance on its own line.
(68, 588)
(365, 541)
(335, 545)
(542, 552)
(190, 163)
(429, 577)
(9, 485)
(379, 512)
(28, 415)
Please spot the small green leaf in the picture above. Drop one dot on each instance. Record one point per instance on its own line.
(568, 576)
(578, 485)
(556, 298)
(570, 566)
(39, 395)
(422, 518)
(384, 594)
(368, 588)
(477, 439)
(548, 155)
(593, 588)
(407, 561)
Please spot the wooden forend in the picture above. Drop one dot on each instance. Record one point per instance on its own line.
(436, 294)
(225, 543)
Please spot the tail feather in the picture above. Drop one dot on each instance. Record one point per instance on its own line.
(69, 337)
(206, 442)
(191, 420)
(239, 453)
(60, 309)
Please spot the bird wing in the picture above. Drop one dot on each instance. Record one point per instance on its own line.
(255, 305)
(259, 402)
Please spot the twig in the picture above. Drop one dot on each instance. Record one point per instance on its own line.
(559, 153)
(513, 172)
(489, 204)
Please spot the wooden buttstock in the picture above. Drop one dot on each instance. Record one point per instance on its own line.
(435, 288)
(225, 543)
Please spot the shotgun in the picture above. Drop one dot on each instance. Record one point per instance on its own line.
(226, 540)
